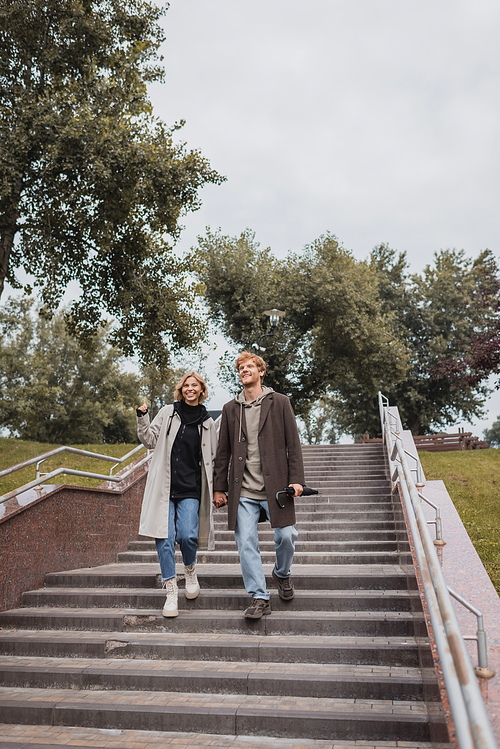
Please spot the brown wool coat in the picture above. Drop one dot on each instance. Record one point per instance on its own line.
(280, 455)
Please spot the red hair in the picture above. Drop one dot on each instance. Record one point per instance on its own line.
(257, 360)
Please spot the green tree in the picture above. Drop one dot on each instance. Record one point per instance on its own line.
(492, 435)
(334, 328)
(319, 421)
(434, 314)
(53, 391)
(91, 184)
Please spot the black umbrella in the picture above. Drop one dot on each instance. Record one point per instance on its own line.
(306, 492)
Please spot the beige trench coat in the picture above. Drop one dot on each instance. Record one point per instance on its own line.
(155, 503)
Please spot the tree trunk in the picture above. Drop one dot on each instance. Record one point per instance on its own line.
(7, 234)
(415, 427)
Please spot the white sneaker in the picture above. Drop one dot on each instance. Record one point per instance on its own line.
(192, 589)
(171, 604)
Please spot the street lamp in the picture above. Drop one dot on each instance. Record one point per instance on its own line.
(274, 318)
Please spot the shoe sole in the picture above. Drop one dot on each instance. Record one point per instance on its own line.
(191, 596)
(170, 614)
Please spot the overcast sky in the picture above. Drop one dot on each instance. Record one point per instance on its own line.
(377, 120)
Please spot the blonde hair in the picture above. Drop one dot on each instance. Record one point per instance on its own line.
(182, 382)
(257, 360)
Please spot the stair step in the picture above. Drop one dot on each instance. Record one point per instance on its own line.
(381, 651)
(50, 737)
(282, 679)
(288, 717)
(357, 623)
(301, 557)
(221, 600)
(313, 577)
(313, 536)
(267, 544)
(340, 664)
(337, 523)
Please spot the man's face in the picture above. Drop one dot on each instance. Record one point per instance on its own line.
(249, 373)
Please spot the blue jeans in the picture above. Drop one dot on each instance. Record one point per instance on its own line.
(247, 541)
(184, 532)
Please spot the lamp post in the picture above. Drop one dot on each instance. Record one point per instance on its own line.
(274, 318)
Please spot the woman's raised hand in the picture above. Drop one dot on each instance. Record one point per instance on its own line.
(143, 408)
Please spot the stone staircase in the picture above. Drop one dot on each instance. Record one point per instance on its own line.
(342, 662)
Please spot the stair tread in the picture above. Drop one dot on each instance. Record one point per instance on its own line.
(325, 570)
(235, 592)
(44, 611)
(47, 737)
(208, 638)
(216, 703)
(169, 667)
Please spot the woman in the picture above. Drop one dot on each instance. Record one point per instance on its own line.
(177, 504)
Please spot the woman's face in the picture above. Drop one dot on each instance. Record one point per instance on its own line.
(191, 391)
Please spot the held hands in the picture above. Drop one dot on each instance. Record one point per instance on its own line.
(219, 499)
(298, 489)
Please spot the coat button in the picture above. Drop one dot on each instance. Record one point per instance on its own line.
(242, 439)
(236, 480)
(240, 458)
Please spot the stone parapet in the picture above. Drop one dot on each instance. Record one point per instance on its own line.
(64, 527)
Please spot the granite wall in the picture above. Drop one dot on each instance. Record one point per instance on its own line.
(63, 528)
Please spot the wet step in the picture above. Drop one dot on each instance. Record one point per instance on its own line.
(279, 679)
(380, 651)
(352, 623)
(307, 717)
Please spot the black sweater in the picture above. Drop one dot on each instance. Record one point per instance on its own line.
(185, 460)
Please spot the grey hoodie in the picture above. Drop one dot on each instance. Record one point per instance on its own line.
(252, 485)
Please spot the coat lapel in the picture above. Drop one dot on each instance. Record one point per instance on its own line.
(264, 410)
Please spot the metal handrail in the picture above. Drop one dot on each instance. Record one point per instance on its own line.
(420, 483)
(467, 707)
(42, 478)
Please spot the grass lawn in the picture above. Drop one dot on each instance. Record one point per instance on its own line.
(14, 451)
(472, 478)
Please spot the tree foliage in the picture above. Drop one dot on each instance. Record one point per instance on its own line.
(434, 312)
(53, 391)
(492, 435)
(353, 328)
(91, 184)
(334, 328)
(480, 358)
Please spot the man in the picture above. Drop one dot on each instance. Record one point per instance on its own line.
(258, 455)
